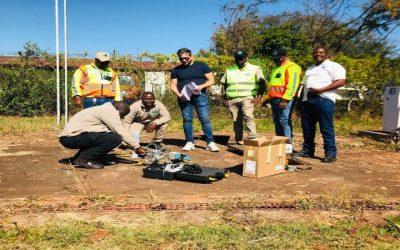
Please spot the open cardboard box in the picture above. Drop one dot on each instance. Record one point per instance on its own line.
(264, 156)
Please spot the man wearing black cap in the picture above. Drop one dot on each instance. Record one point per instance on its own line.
(282, 88)
(243, 86)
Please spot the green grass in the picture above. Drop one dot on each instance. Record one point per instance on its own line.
(221, 121)
(18, 125)
(209, 235)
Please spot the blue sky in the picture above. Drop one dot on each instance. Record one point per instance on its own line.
(132, 27)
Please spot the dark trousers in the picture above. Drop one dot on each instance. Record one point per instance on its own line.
(318, 109)
(92, 145)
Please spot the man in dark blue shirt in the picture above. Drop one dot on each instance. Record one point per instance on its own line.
(193, 77)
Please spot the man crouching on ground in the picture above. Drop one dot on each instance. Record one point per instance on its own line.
(150, 115)
(96, 131)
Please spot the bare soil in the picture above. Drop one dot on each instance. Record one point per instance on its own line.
(35, 187)
(29, 167)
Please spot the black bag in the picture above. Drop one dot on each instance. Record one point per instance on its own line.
(186, 172)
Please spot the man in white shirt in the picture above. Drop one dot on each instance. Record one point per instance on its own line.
(320, 83)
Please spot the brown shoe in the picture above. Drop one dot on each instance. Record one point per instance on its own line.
(82, 163)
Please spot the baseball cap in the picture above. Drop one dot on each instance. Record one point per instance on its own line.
(240, 54)
(278, 53)
(103, 56)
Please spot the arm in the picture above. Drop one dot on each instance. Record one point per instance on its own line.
(334, 85)
(164, 115)
(261, 85)
(76, 87)
(114, 123)
(174, 87)
(292, 75)
(209, 81)
(118, 96)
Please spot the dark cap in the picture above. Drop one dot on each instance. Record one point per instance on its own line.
(278, 53)
(240, 54)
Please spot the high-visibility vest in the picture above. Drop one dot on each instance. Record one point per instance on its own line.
(241, 82)
(284, 81)
(90, 81)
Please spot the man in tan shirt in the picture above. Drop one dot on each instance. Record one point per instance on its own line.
(95, 131)
(150, 115)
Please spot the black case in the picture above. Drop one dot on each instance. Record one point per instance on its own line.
(207, 175)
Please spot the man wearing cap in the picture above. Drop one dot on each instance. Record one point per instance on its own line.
(96, 83)
(282, 88)
(242, 86)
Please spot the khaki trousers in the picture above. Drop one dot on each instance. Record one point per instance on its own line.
(242, 110)
(160, 131)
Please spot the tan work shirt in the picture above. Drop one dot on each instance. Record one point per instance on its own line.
(158, 114)
(103, 118)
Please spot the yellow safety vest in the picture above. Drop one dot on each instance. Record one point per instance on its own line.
(284, 81)
(241, 82)
(90, 81)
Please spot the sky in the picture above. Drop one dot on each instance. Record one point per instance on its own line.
(129, 27)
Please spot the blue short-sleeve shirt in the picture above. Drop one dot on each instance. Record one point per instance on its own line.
(191, 73)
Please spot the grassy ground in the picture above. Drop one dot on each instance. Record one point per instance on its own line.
(345, 125)
(246, 233)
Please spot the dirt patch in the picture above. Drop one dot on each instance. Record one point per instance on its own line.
(359, 172)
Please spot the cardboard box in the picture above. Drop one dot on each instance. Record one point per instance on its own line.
(264, 156)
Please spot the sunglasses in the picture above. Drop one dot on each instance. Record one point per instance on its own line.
(184, 58)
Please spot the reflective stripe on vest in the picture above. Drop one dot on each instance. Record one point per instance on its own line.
(241, 82)
(279, 80)
(97, 82)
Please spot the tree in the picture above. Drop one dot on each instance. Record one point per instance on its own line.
(323, 22)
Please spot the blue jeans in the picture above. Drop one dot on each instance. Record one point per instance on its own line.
(282, 118)
(95, 101)
(319, 110)
(202, 107)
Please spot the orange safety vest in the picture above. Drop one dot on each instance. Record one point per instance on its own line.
(90, 81)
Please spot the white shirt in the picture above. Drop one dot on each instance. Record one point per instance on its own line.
(319, 76)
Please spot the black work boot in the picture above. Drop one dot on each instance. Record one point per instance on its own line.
(82, 163)
(329, 159)
(303, 153)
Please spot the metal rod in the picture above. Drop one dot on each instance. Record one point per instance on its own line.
(65, 64)
(58, 64)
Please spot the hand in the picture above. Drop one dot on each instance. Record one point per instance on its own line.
(283, 104)
(198, 89)
(151, 127)
(226, 103)
(256, 101)
(315, 91)
(77, 100)
(140, 151)
(182, 98)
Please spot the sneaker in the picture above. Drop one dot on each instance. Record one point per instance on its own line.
(239, 142)
(289, 148)
(188, 146)
(212, 147)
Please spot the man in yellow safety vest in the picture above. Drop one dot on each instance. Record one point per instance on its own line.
(243, 86)
(282, 88)
(96, 83)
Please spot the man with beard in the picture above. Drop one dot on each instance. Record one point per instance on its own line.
(193, 77)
